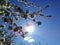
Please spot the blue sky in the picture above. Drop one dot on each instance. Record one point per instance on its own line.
(49, 31)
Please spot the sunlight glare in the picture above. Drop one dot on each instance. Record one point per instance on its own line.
(30, 28)
(27, 38)
(31, 40)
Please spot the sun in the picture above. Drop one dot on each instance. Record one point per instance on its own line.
(29, 28)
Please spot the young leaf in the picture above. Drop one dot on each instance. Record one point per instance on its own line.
(16, 17)
(2, 26)
(32, 15)
(1, 31)
(34, 20)
(39, 23)
(41, 14)
(6, 13)
(26, 32)
(25, 16)
(27, 11)
(47, 6)
(1, 12)
(11, 20)
(48, 16)
(17, 28)
(10, 28)
(6, 20)
(1, 40)
(23, 35)
(40, 11)
(18, 9)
